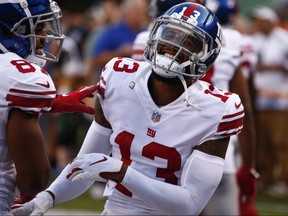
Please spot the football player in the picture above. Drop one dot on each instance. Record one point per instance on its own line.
(238, 184)
(28, 29)
(156, 9)
(166, 131)
(226, 73)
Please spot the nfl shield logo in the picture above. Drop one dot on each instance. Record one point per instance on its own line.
(156, 116)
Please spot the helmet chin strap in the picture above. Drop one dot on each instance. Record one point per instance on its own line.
(3, 48)
(186, 101)
(138, 76)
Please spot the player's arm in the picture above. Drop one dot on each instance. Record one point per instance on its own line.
(96, 140)
(27, 148)
(247, 137)
(246, 175)
(200, 177)
(207, 156)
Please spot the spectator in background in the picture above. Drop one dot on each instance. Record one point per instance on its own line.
(68, 73)
(75, 23)
(281, 11)
(116, 39)
(101, 15)
(271, 83)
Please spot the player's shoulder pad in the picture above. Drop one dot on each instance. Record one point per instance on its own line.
(118, 72)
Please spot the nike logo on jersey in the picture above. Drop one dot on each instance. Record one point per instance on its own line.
(238, 105)
(99, 161)
(46, 85)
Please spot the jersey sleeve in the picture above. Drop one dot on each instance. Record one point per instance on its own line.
(199, 179)
(34, 93)
(232, 119)
(104, 78)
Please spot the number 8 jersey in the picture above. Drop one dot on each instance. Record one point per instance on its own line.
(25, 86)
(158, 140)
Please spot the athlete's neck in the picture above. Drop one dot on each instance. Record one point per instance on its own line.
(164, 90)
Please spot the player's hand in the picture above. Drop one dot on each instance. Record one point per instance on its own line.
(37, 206)
(23, 198)
(72, 101)
(246, 178)
(97, 167)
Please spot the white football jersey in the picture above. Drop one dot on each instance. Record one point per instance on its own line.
(25, 86)
(223, 70)
(158, 140)
(220, 74)
(249, 56)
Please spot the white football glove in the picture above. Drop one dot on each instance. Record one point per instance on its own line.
(37, 206)
(93, 166)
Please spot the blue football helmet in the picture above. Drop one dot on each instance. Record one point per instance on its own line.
(185, 41)
(23, 23)
(223, 9)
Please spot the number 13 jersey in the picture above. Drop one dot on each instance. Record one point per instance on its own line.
(158, 140)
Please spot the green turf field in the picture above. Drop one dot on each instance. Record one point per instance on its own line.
(266, 205)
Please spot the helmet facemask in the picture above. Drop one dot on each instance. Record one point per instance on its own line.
(45, 33)
(176, 47)
(181, 46)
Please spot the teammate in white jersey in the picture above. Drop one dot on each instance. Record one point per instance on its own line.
(238, 184)
(226, 74)
(167, 131)
(27, 91)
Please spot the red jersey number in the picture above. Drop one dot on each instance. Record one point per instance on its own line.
(23, 66)
(128, 68)
(223, 97)
(151, 150)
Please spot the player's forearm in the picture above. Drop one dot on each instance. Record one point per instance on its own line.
(96, 140)
(247, 146)
(247, 139)
(188, 198)
(65, 190)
